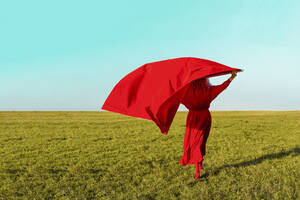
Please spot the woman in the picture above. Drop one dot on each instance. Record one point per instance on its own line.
(197, 99)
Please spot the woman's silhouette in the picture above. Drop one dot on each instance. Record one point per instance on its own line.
(197, 99)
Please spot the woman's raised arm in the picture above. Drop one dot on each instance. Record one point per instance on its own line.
(217, 89)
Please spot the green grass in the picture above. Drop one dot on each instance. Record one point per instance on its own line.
(104, 155)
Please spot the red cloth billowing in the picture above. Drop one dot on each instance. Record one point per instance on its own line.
(198, 121)
(154, 90)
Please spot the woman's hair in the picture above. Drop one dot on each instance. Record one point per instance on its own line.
(203, 83)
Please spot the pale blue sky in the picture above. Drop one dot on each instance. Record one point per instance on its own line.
(68, 55)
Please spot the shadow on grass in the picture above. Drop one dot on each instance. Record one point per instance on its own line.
(295, 151)
(15, 171)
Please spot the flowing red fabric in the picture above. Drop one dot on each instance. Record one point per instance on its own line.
(197, 99)
(154, 91)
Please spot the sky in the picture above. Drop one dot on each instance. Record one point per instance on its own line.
(68, 55)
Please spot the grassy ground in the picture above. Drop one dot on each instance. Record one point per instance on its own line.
(103, 155)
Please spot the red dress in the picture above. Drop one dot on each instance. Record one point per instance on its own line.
(198, 121)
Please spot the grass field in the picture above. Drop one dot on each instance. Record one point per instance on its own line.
(104, 155)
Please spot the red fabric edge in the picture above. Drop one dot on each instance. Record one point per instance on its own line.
(121, 111)
(152, 117)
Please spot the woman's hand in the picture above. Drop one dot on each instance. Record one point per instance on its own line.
(233, 75)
